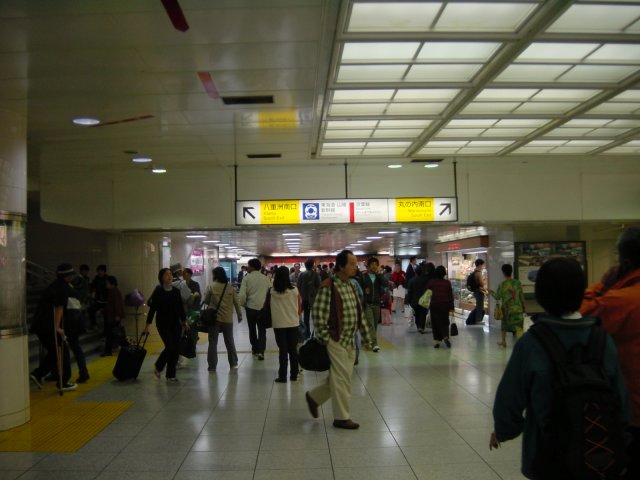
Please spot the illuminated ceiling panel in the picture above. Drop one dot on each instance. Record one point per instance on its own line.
(431, 73)
(628, 148)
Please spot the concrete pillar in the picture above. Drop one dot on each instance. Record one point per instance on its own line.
(14, 350)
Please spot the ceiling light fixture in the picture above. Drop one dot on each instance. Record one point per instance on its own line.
(195, 235)
(159, 170)
(373, 238)
(141, 160)
(431, 165)
(394, 165)
(291, 234)
(86, 121)
(387, 232)
(211, 241)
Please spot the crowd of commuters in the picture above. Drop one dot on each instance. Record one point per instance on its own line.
(342, 306)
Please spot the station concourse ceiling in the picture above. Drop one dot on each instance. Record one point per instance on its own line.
(303, 82)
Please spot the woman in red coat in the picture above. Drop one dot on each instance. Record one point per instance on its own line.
(616, 302)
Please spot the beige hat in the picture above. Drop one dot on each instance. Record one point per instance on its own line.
(176, 267)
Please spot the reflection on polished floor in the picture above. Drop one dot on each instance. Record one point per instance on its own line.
(424, 414)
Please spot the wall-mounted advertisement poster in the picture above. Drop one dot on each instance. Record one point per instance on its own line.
(197, 262)
(529, 256)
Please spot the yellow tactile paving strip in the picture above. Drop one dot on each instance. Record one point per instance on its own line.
(66, 423)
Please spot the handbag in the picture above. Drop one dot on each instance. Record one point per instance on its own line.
(453, 328)
(265, 312)
(498, 313)
(313, 356)
(425, 300)
(209, 316)
(187, 346)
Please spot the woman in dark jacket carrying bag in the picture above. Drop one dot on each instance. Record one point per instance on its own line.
(167, 304)
(440, 306)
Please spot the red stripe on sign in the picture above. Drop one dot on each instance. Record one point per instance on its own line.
(352, 212)
(124, 120)
(209, 86)
(176, 15)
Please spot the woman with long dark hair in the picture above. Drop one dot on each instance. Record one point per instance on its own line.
(165, 301)
(285, 317)
(224, 321)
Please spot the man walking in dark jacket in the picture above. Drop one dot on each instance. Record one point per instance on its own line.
(308, 285)
(373, 283)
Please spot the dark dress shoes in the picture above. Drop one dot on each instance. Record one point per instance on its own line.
(313, 406)
(346, 424)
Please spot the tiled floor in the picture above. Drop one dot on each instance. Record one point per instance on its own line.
(424, 414)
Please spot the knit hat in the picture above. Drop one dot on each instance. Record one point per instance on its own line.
(65, 269)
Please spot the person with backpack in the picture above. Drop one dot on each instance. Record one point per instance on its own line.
(616, 301)
(475, 284)
(563, 388)
(308, 284)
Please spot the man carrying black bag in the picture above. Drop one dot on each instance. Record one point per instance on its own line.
(337, 313)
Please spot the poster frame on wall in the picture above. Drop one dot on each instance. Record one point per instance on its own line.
(529, 256)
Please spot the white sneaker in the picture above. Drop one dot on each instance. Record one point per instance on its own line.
(67, 387)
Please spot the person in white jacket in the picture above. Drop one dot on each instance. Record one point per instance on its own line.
(285, 314)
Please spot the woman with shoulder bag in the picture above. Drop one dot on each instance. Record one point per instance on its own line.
(166, 302)
(285, 317)
(219, 293)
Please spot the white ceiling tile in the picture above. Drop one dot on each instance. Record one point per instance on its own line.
(357, 109)
(404, 123)
(568, 132)
(388, 144)
(566, 95)
(546, 143)
(586, 122)
(421, 94)
(490, 108)
(470, 122)
(615, 52)
(479, 150)
(463, 51)
(379, 51)
(442, 73)
(339, 152)
(482, 17)
(371, 73)
(571, 150)
(397, 133)
(383, 151)
(490, 143)
(545, 107)
(532, 73)
(608, 132)
(586, 143)
(622, 150)
(521, 122)
(508, 132)
(343, 144)
(598, 73)
(460, 132)
(439, 151)
(392, 16)
(532, 150)
(519, 94)
(602, 18)
(431, 108)
(446, 143)
(362, 95)
(333, 134)
(625, 123)
(628, 95)
(566, 51)
(615, 108)
(351, 123)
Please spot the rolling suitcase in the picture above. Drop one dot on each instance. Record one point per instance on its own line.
(130, 360)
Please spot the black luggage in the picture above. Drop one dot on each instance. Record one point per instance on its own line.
(130, 360)
(471, 319)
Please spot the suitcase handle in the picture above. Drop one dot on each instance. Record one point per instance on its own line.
(146, 336)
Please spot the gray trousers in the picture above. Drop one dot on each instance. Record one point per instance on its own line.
(227, 334)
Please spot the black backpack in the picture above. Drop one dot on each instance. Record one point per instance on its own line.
(472, 282)
(582, 438)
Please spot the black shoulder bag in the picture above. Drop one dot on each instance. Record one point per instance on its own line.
(209, 316)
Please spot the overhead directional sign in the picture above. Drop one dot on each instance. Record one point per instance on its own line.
(346, 210)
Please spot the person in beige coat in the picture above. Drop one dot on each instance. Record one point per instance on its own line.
(224, 322)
